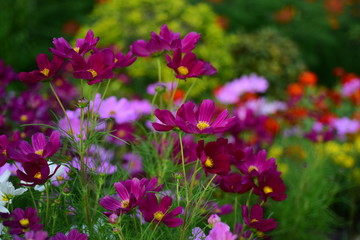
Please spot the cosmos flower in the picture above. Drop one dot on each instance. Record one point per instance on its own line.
(46, 70)
(188, 66)
(159, 212)
(23, 221)
(221, 231)
(33, 235)
(255, 219)
(72, 235)
(7, 193)
(64, 50)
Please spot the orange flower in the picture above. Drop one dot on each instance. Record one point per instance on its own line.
(272, 126)
(285, 15)
(308, 78)
(295, 90)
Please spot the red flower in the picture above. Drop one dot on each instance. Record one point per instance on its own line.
(255, 219)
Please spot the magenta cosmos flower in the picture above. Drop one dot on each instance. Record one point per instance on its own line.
(64, 50)
(255, 219)
(188, 66)
(23, 221)
(72, 235)
(221, 231)
(214, 156)
(46, 70)
(37, 171)
(155, 212)
(4, 144)
(32, 235)
(198, 122)
(131, 192)
(23, 152)
(270, 185)
(97, 68)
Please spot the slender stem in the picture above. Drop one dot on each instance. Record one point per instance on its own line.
(62, 107)
(183, 168)
(33, 199)
(249, 197)
(189, 90)
(235, 211)
(47, 202)
(159, 69)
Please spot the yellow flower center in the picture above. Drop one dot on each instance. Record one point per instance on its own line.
(183, 70)
(93, 72)
(320, 138)
(77, 49)
(202, 125)
(38, 175)
(24, 222)
(40, 152)
(6, 198)
(268, 189)
(252, 168)
(120, 133)
(59, 178)
(209, 162)
(158, 215)
(23, 118)
(254, 220)
(112, 112)
(125, 203)
(4, 152)
(45, 71)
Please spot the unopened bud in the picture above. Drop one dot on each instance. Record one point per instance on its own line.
(83, 103)
(214, 218)
(113, 218)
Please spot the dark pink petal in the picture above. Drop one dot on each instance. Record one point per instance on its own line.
(206, 111)
(161, 127)
(165, 116)
(165, 204)
(139, 48)
(42, 61)
(189, 41)
(110, 203)
(122, 191)
(82, 74)
(38, 141)
(25, 147)
(173, 222)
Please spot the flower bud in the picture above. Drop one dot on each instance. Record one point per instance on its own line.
(113, 218)
(214, 218)
(83, 103)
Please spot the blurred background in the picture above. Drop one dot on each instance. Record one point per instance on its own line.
(276, 39)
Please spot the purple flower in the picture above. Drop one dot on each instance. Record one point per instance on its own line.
(350, 87)
(72, 235)
(270, 185)
(231, 91)
(46, 70)
(133, 163)
(36, 171)
(214, 156)
(188, 66)
(197, 234)
(155, 45)
(121, 60)
(163, 86)
(121, 110)
(345, 125)
(24, 152)
(234, 183)
(33, 235)
(255, 219)
(23, 221)
(97, 68)
(64, 50)
(221, 231)
(130, 192)
(256, 164)
(155, 212)
(201, 121)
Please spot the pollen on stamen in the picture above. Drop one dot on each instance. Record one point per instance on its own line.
(251, 168)
(202, 125)
(267, 190)
(45, 71)
(76, 49)
(39, 152)
(125, 203)
(209, 162)
(93, 72)
(158, 215)
(254, 220)
(24, 222)
(23, 118)
(4, 152)
(38, 175)
(183, 70)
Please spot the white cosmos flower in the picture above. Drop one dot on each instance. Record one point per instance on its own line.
(5, 176)
(7, 193)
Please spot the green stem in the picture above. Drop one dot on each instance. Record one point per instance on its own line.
(62, 107)
(183, 168)
(189, 90)
(159, 69)
(235, 211)
(47, 202)
(33, 199)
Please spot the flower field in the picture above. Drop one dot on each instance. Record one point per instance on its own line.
(180, 129)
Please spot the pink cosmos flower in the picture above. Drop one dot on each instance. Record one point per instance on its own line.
(23, 152)
(97, 68)
(33, 235)
(46, 70)
(72, 235)
(23, 221)
(188, 66)
(64, 50)
(221, 231)
(255, 219)
(160, 213)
